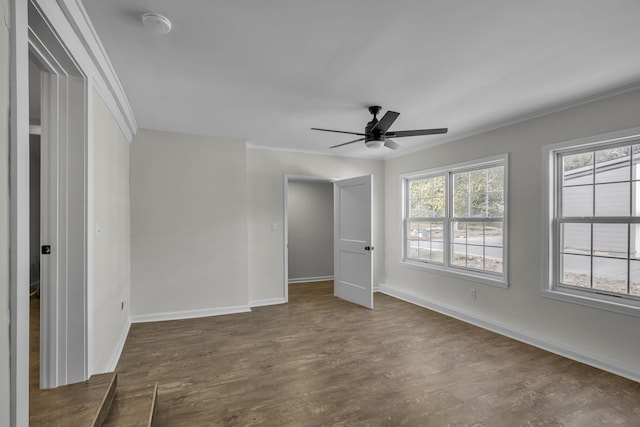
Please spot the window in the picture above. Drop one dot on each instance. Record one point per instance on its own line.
(455, 220)
(594, 224)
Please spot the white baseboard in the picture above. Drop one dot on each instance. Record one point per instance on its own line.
(189, 314)
(268, 301)
(116, 354)
(311, 279)
(536, 341)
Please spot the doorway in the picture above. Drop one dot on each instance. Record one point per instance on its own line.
(351, 239)
(308, 230)
(35, 131)
(58, 105)
(63, 207)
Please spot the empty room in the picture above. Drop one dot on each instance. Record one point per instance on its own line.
(421, 213)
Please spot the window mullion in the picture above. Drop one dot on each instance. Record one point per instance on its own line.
(601, 220)
(446, 224)
(629, 259)
(557, 213)
(591, 260)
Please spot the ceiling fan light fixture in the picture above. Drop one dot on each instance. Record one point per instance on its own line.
(374, 143)
(157, 23)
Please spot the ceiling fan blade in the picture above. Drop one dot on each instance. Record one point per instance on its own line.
(391, 144)
(339, 131)
(416, 132)
(386, 121)
(346, 143)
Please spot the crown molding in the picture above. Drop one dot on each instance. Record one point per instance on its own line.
(556, 108)
(73, 26)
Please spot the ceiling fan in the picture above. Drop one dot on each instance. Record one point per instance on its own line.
(376, 132)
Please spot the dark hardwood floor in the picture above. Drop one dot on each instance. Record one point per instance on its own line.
(321, 361)
(34, 344)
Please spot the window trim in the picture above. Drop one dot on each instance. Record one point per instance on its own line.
(446, 269)
(551, 188)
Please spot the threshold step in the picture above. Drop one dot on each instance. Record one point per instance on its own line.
(133, 407)
(81, 404)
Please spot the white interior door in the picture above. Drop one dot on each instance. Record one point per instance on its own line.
(352, 228)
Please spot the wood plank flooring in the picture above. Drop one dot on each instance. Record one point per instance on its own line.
(133, 407)
(321, 361)
(92, 403)
(81, 404)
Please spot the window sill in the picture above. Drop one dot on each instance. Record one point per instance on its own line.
(478, 278)
(616, 305)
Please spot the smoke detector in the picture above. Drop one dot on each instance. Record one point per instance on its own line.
(156, 23)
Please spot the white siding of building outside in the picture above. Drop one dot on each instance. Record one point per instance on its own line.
(611, 200)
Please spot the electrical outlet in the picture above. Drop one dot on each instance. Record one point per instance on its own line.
(472, 293)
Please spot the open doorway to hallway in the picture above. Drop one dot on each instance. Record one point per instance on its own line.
(309, 231)
(35, 131)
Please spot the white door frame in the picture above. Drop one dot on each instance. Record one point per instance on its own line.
(285, 225)
(66, 306)
(19, 214)
(63, 320)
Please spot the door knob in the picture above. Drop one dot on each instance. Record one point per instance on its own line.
(368, 248)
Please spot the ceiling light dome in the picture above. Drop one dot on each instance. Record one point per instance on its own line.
(156, 23)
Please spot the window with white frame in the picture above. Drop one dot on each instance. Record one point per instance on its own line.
(595, 221)
(455, 219)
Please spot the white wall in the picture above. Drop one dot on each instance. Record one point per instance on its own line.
(111, 258)
(189, 223)
(266, 170)
(4, 215)
(608, 337)
(310, 218)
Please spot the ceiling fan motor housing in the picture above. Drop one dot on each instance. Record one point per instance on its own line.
(373, 137)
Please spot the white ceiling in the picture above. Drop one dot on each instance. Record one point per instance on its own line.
(267, 71)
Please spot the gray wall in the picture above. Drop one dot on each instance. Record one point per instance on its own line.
(4, 215)
(598, 334)
(310, 217)
(189, 223)
(110, 282)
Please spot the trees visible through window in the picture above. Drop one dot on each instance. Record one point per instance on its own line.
(455, 219)
(427, 208)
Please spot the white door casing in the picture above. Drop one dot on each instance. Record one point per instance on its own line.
(63, 337)
(353, 263)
